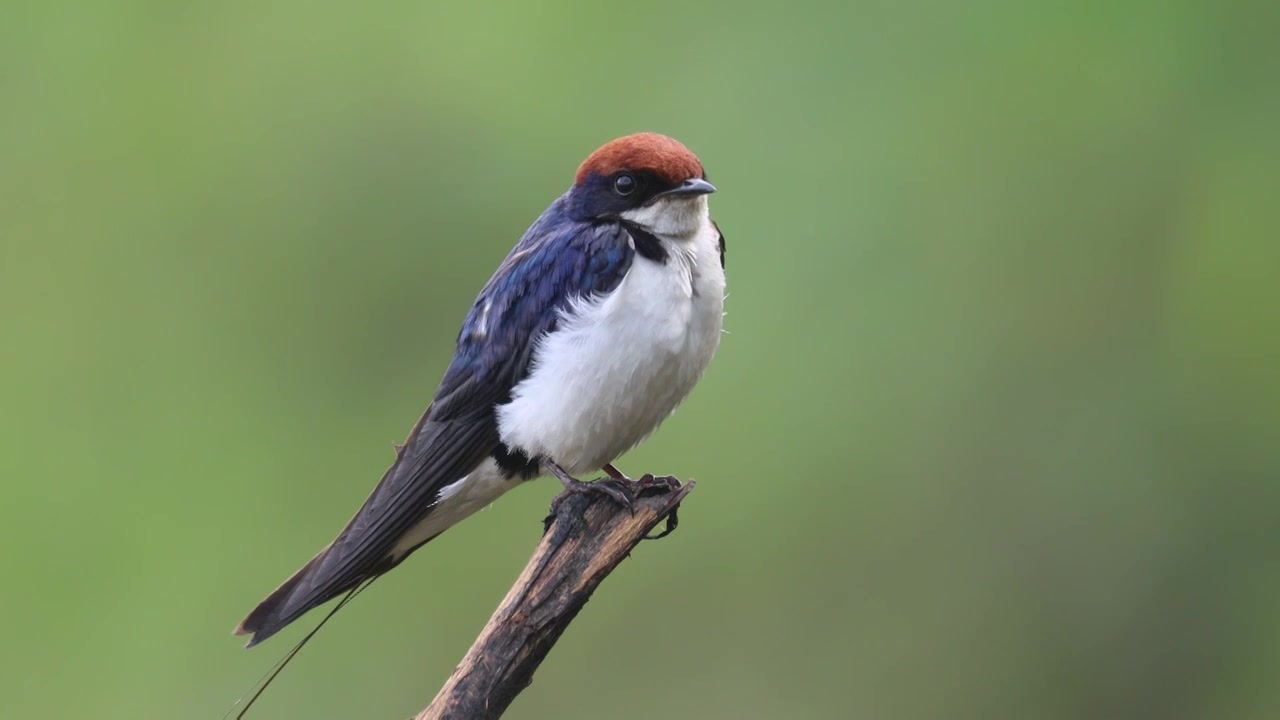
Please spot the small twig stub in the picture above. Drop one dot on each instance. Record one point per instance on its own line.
(586, 537)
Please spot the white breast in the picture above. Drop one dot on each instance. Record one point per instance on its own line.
(617, 365)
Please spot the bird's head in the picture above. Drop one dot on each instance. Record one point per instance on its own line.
(647, 179)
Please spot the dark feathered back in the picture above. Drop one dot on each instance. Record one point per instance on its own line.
(557, 260)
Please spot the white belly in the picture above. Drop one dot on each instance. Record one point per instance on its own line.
(617, 366)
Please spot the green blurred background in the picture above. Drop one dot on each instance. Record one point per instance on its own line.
(996, 432)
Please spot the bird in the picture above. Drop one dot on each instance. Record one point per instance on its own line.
(596, 325)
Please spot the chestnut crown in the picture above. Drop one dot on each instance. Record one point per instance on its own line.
(633, 171)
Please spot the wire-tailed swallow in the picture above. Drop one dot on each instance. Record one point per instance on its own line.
(593, 329)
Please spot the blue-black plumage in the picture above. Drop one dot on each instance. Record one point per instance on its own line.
(595, 326)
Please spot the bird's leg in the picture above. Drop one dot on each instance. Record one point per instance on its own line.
(614, 472)
(619, 490)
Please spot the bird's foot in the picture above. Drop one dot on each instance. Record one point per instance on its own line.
(661, 484)
(620, 490)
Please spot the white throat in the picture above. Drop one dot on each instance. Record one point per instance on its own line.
(620, 362)
(673, 218)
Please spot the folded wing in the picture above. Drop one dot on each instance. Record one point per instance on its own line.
(556, 261)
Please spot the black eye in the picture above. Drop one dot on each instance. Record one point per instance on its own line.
(624, 185)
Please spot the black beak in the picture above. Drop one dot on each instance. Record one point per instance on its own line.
(690, 188)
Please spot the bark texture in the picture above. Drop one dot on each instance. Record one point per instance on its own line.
(586, 538)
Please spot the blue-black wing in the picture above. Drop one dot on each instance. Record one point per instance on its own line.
(557, 260)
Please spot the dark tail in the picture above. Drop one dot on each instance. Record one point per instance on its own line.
(266, 680)
(289, 602)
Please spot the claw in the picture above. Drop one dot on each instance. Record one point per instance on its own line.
(672, 521)
(662, 483)
(617, 487)
(620, 491)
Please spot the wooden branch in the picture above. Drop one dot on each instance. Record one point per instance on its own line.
(587, 538)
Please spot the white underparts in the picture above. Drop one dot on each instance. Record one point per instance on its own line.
(619, 364)
(614, 369)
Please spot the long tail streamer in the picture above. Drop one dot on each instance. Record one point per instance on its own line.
(265, 681)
